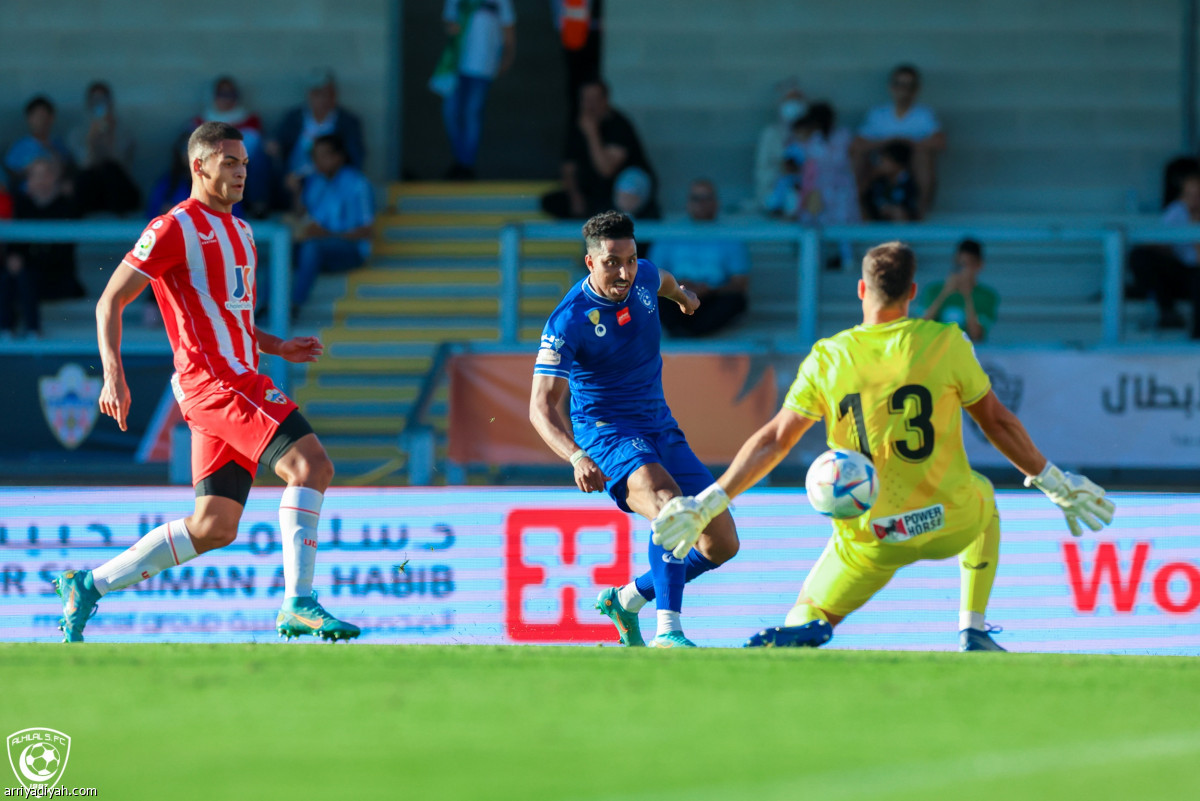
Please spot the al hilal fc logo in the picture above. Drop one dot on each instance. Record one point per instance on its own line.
(38, 756)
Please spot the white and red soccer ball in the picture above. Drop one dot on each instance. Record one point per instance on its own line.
(842, 484)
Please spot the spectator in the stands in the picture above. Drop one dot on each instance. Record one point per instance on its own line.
(40, 271)
(321, 115)
(771, 162)
(633, 194)
(892, 194)
(716, 269)
(1172, 273)
(907, 121)
(16, 287)
(828, 194)
(580, 25)
(174, 185)
(39, 143)
(961, 298)
(485, 34)
(227, 105)
(601, 144)
(103, 152)
(338, 208)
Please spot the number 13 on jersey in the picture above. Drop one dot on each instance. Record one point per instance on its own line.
(913, 403)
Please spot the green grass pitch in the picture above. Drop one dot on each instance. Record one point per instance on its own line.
(303, 722)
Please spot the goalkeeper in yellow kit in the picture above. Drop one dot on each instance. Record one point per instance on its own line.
(893, 388)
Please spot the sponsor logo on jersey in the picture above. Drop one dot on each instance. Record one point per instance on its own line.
(156, 225)
(899, 528)
(623, 316)
(241, 290)
(593, 316)
(601, 330)
(69, 404)
(141, 251)
(646, 298)
(548, 356)
(275, 396)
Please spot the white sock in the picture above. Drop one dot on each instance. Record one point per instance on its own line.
(630, 598)
(971, 620)
(166, 546)
(299, 512)
(668, 621)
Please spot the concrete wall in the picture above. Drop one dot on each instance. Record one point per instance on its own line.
(1048, 104)
(161, 58)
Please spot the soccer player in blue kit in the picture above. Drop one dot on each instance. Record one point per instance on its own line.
(603, 342)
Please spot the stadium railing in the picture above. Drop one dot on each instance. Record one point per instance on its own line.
(277, 237)
(1112, 240)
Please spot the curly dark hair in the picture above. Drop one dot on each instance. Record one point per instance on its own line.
(607, 225)
(888, 271)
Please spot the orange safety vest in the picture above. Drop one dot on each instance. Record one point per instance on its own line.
(576, 21)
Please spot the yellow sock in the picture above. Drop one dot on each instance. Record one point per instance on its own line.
(804, 613)
(977, 566)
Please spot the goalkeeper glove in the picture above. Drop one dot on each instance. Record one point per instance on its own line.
(1078, 496)
(682, 519)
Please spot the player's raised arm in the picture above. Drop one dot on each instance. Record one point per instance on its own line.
(125, 284)
(671, 289)
(544, 401)
(1077, 496)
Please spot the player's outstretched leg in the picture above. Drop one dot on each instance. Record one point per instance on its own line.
(977, 569)
(79, 597)
(806, 626)
(609, 604)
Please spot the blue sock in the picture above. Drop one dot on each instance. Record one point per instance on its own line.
(694, 565)
(669, 578)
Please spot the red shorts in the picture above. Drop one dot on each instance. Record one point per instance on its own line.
(234, 422)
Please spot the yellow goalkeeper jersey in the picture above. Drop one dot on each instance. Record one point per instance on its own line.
(895, 391)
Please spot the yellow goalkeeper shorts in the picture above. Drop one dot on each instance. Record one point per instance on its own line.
(849, 573)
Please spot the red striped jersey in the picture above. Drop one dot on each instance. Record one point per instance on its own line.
(201, 264)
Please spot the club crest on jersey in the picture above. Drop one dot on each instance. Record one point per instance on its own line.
(594, 317)
(550, 342)
(141, 251)
(899, 528)
(646, 298)
(275, 396)
(69, 404)
(240, 299)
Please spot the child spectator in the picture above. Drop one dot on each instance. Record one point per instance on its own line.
(892, 194)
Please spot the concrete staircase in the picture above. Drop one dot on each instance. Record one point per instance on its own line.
(434, 277)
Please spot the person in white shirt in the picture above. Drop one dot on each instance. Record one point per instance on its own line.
(769, 156)
(487, 42)
(906, 120)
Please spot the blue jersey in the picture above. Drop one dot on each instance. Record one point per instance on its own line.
(609, 352)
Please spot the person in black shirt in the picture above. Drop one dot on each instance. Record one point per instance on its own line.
(39, 271)
(602, 144)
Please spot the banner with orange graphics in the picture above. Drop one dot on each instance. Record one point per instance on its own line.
(718, 400)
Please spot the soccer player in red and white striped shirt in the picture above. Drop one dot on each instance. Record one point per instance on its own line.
(201, 261)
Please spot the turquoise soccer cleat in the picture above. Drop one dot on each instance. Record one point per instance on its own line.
(626, 622)
(79, 597)
(976, 640)
(810, 635)
(672, 639)
(304, 616)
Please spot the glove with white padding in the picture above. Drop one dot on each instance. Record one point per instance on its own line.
(1079, 497)
(683, 518)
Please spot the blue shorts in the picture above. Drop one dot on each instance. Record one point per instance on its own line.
(618, 452)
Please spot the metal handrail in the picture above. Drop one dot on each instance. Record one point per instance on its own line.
(1111, 238)
(277, 236)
